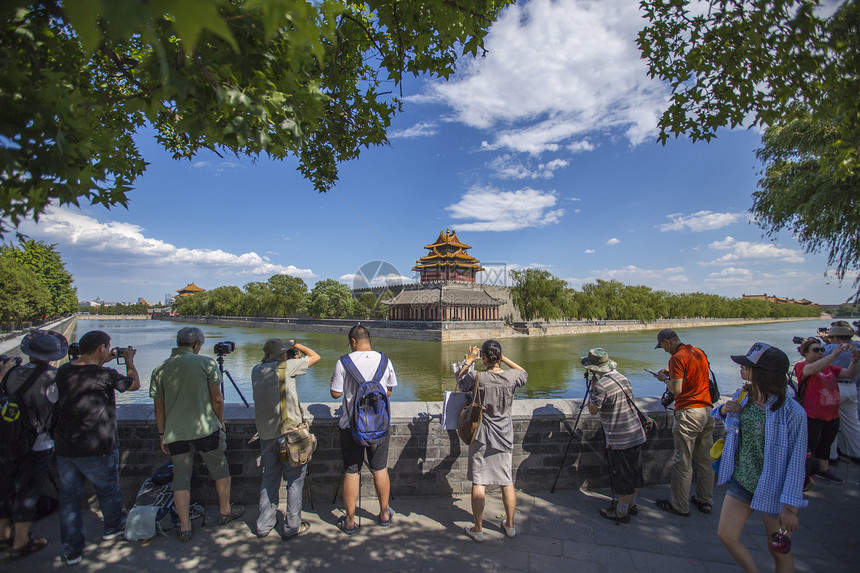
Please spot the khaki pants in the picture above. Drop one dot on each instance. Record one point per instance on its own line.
(694, 435)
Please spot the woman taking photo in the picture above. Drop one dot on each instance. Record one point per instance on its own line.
(491, 452)
(818, 391)
(763, 460)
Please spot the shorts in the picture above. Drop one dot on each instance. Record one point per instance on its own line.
(211, 448)
(353, 454)
(20, 485)
(625, 467)
(741, 493)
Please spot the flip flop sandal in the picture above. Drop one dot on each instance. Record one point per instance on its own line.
(666, 505)
(185, 536)
(32, 546)
(390, 517)
(341, 524)
(702, 506)
(303, 528)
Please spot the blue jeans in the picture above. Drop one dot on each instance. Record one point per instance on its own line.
(273, 469)
(103, 473)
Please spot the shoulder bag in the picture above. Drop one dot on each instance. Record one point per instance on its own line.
(470, 416)
(299, 443)
(649, 425)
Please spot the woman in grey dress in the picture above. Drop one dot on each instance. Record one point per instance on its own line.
(491, 452)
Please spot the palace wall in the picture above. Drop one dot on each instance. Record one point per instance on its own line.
(424, 459)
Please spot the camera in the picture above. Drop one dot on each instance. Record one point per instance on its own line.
(17, 359)
(120, 352)
(798, 339)
(667, 399)
(224, 348)
(74, 351)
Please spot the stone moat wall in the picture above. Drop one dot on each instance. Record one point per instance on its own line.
(424, 459)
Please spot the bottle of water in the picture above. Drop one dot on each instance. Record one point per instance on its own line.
(732, 423)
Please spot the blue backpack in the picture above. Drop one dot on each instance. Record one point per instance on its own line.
(370, 418)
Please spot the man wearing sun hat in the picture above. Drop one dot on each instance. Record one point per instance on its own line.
(21, 480)
(848, 442)
(611, 397)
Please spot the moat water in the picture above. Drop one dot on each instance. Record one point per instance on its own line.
(424, 368)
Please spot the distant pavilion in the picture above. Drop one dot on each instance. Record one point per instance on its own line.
(190, 289)
(448, 289)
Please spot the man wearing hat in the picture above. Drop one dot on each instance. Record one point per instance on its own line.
(189, 414)
(848, 442)
(282, 362)
(22, 479)
(688, 379)
(87, 439)
(611, 397)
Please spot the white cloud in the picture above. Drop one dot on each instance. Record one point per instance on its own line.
(702, 221)
(613, 241)
(379, 280)
(421, 129)
(731, 276)
(556, 73)
(505, 166)
(539, 265)
(119, 243)
(631, 274)
(495, 210)
(753, 252)
(217, 166)
(589, 251)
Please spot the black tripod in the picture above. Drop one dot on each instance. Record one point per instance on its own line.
(227, 372)
(588, 382)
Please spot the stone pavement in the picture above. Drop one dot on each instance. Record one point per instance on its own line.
(561, 532)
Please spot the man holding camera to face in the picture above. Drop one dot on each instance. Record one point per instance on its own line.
(86, 438)
(688, 379)
(189, 413)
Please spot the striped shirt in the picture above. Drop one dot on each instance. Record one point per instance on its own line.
(621, 423)
(783, 473)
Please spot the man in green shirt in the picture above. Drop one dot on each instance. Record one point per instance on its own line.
(189, 413)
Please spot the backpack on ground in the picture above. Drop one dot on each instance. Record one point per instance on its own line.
(154, 511)
(17, 432)
(370, 418)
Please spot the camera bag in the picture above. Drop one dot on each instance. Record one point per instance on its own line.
(300, 442)
(18, 434)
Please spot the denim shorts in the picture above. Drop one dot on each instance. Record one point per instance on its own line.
(740, 493)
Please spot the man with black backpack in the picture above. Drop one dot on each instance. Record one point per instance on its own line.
(364, 378)
(27, 398)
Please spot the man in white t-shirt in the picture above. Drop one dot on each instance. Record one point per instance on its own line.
(343, 384)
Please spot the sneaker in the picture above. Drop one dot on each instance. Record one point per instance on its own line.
(830, 476)
(612, 513)
(111, 534)
(73, 559)
(236, 511)
(808, 484)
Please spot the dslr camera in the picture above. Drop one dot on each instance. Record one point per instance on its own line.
(667, 399)
(120, 354)
(224, 348)
(798, 339)
(74, 351)
(4, 358)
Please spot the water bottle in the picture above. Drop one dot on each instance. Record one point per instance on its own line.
(732, 423)
(282, 447)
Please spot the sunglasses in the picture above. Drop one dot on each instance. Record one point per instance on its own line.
(816, 349)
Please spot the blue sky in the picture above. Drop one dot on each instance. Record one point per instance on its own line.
(541, 154)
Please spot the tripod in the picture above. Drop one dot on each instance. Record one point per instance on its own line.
(227, 372)
(588, 382)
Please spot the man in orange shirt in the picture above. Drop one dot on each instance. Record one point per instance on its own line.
(687, 378)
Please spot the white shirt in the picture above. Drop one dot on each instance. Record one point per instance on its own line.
(366, 361)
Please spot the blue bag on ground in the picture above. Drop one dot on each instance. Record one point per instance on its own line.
(370, 418)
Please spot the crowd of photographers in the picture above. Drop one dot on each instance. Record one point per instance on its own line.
(801, 420)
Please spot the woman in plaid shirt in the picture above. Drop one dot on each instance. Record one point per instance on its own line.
(762, 463)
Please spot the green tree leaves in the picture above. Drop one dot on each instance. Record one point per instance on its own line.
(539, 294)
(47, 265)
(275, 77)
(22, 295)
(329, 299)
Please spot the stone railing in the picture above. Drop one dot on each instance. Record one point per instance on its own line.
(424, 459)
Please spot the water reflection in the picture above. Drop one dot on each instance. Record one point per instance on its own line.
(424, 368)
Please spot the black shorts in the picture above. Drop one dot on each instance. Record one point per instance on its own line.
(202, 445)
(353, 454)
(626, 468)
